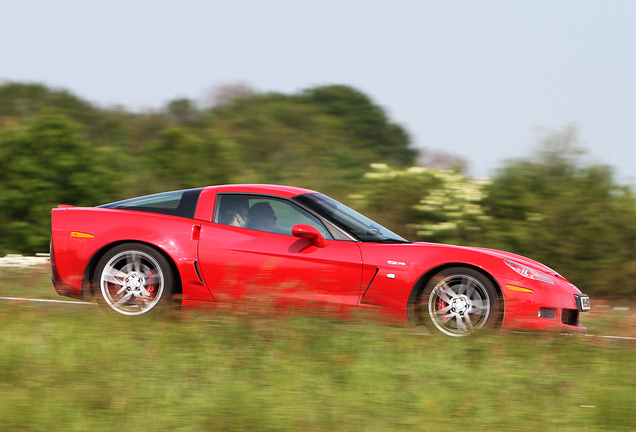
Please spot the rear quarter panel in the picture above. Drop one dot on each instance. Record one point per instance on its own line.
(75, 257)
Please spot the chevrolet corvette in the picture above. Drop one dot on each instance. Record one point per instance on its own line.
(243, 243)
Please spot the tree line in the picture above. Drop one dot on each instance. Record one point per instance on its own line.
(552, 206)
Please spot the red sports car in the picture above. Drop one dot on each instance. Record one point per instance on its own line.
(243, 242)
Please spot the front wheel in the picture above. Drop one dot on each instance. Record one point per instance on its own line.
(458, 300)
(133, 279)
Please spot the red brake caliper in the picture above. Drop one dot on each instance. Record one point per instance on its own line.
(441, 304)
(150, 288)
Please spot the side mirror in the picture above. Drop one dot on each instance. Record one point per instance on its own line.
(307, 231)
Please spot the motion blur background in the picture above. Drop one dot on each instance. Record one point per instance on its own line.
(494, 123)
(504, 124)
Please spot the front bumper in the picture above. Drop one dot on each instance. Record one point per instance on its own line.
(532, 305)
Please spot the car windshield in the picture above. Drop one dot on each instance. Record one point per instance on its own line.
(350, 220)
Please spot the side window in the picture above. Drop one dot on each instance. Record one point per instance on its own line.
(178, 203)
(264, 214)
(233, 210)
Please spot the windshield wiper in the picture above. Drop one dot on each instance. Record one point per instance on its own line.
(379, 238)
(390, 240)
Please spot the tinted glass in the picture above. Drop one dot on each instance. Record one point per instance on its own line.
(350, 220)
(264, 214)
(177, 203)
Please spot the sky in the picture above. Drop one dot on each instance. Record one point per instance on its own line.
(482, 79)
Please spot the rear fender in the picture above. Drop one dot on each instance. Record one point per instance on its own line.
(88, 286)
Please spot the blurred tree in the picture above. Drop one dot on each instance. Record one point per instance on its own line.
(180, 159)
(324, 139)
(182, 111)
(25, 101)
(364, 122)
(426, 204)
(452, 213)
(567, 214)
(282, 141)
(319, 139)
(225, 93)
(390, 196)
(443, 160)
(554, 207)
(45, 162)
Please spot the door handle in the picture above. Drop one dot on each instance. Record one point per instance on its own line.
(196, 232)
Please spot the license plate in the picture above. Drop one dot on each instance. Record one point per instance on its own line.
(582, 302)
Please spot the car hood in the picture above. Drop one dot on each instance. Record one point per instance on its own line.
(535, 265)
(517, 258)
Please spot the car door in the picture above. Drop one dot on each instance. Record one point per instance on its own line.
(258, 260)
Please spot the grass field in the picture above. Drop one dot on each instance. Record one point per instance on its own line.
(72, 368)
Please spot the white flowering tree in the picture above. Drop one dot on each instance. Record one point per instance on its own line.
(452, 212)
(428, 204)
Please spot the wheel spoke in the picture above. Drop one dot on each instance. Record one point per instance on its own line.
(149, 277)
(115, 276)
(116, 273)
(112, 279)
(479, 305)
(459, 303)
(144, 293)
(470, 288)
(460, 324)
(135, 260)
(466, 322)
(449, 291)
(443, 311)
(123, 300)
(444, 296)
(444, 318)
(133, 279)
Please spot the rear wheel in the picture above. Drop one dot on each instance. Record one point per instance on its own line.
(459, 300)
(133, 279)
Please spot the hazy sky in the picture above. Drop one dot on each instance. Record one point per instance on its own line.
(481, 79)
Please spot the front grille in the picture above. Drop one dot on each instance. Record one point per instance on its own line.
(570, 317)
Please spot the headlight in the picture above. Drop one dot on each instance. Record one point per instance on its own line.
(528, 272)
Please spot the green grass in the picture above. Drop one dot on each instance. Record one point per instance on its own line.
(34, 282)
(71, 368)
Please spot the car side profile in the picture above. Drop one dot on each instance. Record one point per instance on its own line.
(237, 243)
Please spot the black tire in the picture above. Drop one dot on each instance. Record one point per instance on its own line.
(457, 301)
(133, 279)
